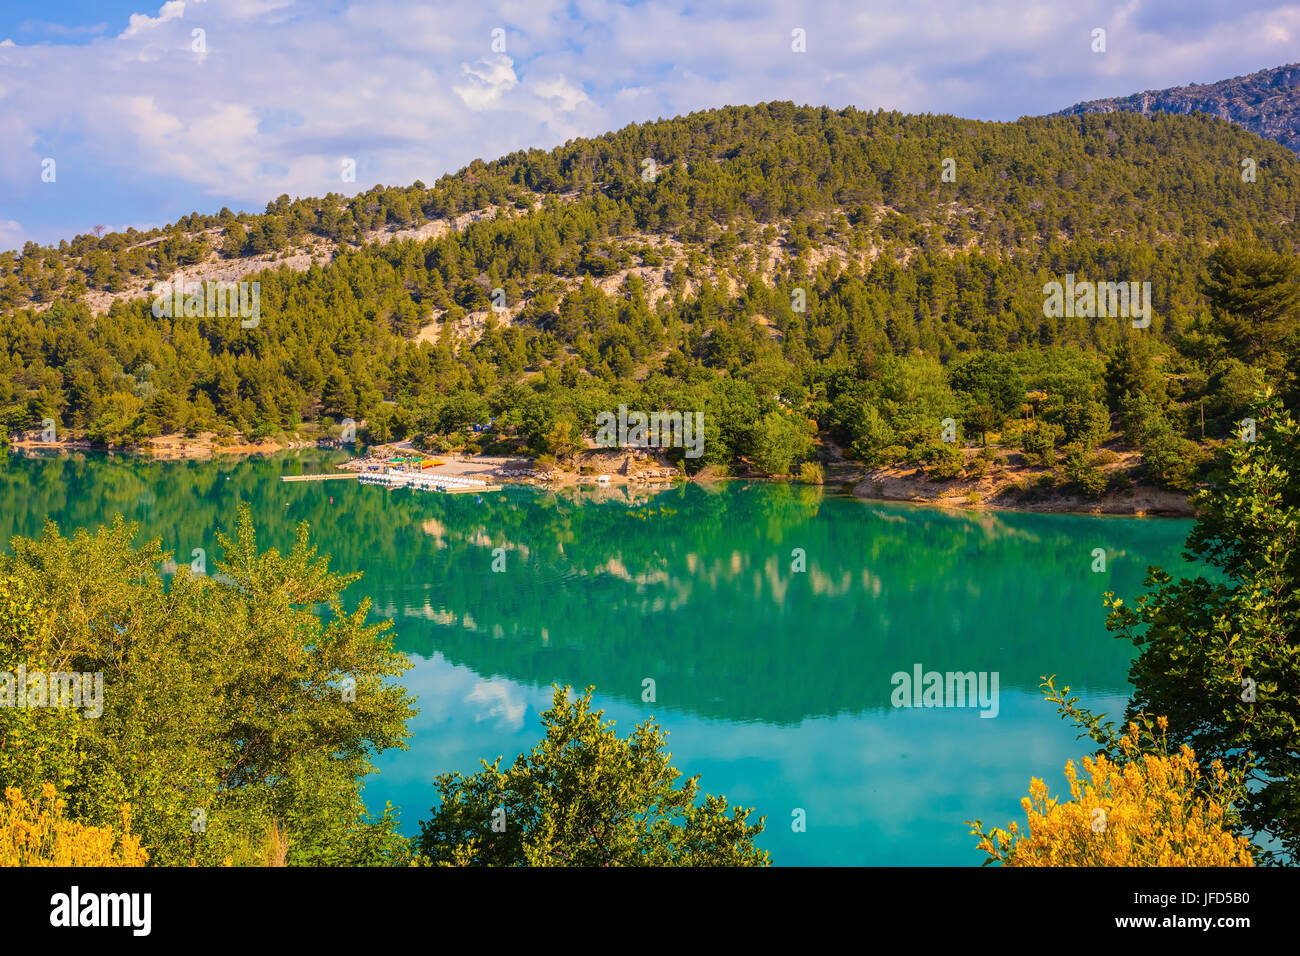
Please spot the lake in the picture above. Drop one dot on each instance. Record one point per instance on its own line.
(774, 683)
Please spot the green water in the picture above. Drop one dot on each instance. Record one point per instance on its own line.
(775, 684)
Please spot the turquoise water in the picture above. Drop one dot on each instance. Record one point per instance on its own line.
(775, 684)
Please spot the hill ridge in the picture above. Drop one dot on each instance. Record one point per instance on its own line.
(1266, 102)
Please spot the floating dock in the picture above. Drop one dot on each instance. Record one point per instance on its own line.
(339, 477)
(445, 484)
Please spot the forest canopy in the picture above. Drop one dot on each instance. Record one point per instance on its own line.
(791, 271)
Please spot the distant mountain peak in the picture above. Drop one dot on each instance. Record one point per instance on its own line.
(1267, 103)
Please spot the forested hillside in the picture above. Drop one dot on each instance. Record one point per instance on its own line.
(796, 273)
(1267, 103)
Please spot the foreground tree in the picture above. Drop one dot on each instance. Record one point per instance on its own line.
(1220, 653)
(230, 705)
(586, 797)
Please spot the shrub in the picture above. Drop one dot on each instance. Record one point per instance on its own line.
(586, 797)
(1171, 461)
(1139, 418)
(945, 470)
(1039, 445)
(1117, 481)
(1081, 472)
(944, 461)
(1218, 645)
(427, 441)
(1013, 435)
(1086, 422)
(892, 455)
(36, 833)
(810, 473)
(1145, 809)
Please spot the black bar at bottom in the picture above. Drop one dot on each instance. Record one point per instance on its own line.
(336, 906)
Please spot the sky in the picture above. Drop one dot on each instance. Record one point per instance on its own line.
(121, 113)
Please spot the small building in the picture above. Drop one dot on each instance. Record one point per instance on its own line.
(602, 479)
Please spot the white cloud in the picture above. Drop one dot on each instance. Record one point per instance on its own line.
(560, 89)
(495, 76)
(246, 9)
(414, 89)
(11, 234)
(501, 701)
(171, 10)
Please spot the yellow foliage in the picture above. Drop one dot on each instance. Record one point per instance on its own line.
(270, 848)
(275, 845)
(36, 833)
(1151, 809)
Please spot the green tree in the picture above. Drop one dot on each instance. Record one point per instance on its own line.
(990, 380)
(461, 410)
(1218, 652)
(1131, 369)
(779, 441)
(586, 797)
(236, 239)
(1140, 418)
(231, 703)
(563, 439)
(1040, 442)
(984, 419)
(1254, 297)
(1081, 472)
(1170, 460)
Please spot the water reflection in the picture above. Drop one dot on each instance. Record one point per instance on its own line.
(774, 682)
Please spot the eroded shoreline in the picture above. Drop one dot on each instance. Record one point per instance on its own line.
(1016, 489)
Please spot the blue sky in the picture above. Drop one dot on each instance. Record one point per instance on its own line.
(146, 119)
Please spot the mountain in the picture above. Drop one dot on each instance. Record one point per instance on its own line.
(1267, 103)
(801, 275)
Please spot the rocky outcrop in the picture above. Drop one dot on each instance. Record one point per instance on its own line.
(1267, 103)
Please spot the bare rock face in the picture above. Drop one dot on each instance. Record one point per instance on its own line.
(1267, 103)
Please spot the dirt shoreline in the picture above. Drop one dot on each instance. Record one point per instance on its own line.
(203, 446)
(1009, 489)
(1015, 490)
